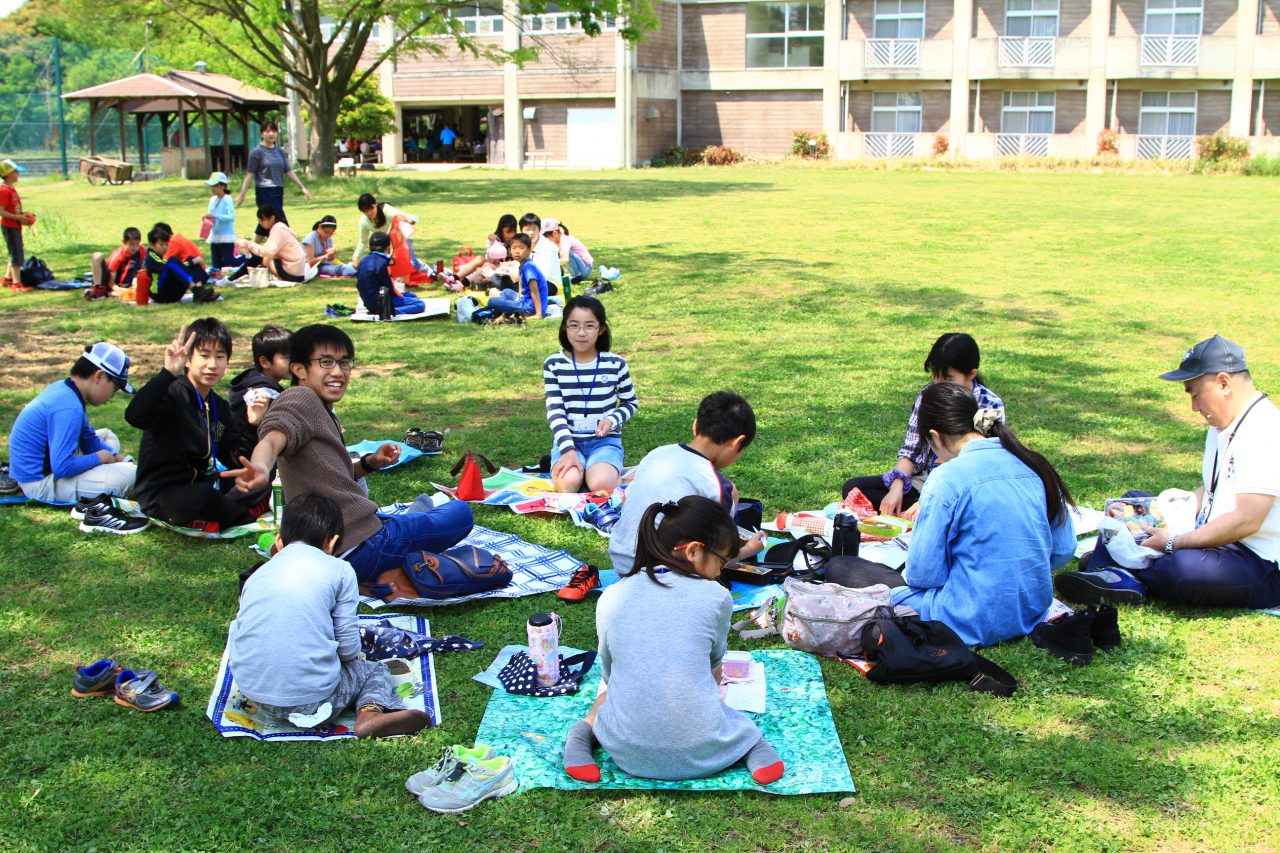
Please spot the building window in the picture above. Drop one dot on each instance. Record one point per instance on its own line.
(478, 18)
(1167, 114)
(1028, 112)
(327, 25)
(1173, 17)
(895, 112)
(784, 35)
(1031, 18)
(899, 19)
(555, 21)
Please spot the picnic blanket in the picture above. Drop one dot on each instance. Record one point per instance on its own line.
(407, 453)
(535, 569)
(233, 714)
(797, 723)
(745, 596)
(431, 308)
(20, 498)
(56, 284)
(253, 528)
(527, 494)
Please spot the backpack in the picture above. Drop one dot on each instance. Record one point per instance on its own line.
(464, 308)
(483, 315)
(823, 618)
(464, 570)
(911, 650)
(35, 272)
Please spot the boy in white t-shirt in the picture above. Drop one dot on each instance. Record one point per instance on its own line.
(1232, 557)
(544, 254)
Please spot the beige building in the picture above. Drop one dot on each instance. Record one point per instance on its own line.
(881, 77)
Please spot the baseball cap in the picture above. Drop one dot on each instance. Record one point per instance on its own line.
(1214, 355)
(217, 178)
(549, 225)
(8, 167)
(112, 361)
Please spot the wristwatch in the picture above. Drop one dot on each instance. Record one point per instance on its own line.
(1168, 545)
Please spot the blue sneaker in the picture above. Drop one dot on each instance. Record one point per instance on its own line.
(1104, 586)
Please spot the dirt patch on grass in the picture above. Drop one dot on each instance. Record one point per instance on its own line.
(34, 356)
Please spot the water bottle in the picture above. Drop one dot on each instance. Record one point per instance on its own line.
(845, 536)
(384, 303)
(277, 502)
(544, 646)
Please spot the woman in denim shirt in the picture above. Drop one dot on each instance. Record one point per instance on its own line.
(994, 523)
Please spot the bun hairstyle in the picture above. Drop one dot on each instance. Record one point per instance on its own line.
(950, 410)
(692, 518)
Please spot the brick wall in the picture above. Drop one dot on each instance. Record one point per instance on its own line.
(1213, 108)
(1073, 18)
(939, 22)
(1068, 115)
(1219, 18)
(751, 122)
(715, 36)
(1270, 17)
(935, 111)
(654, 134)
(550, 132)
(658, 50)
(565, 83)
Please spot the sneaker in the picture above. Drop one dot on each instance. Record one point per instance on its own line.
(141, 690)
(583, 581)
(204, 293)
(101, 505)
(1105, 586)
(1106, 628)
(449, 759)
(1068, 638)
(96, 679)
(470, 784)
(8, 485)
(338, 310)
(113, 521)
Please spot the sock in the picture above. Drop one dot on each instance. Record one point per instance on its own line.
(578, 760)
(765, 765)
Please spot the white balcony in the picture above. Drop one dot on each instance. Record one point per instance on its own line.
(1170, 50)
(1020, 52)
(892, 53)
(1022, 144)
(1151, 147)
(890, 144)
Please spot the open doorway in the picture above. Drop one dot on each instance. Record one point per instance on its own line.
(445, 134)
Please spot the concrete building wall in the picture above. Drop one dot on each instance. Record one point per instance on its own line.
(715, 36)
(750, 122)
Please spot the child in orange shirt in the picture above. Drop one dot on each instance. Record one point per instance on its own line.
(119, 271)
(11, 221)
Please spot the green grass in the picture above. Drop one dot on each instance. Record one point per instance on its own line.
(814, 292)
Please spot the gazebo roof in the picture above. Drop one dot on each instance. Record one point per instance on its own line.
(147, 93)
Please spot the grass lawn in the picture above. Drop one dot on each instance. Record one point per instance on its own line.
(816, 293)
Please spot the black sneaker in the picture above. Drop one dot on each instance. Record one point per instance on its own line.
(100, 505)
(113, 521)
(1069, 638)
(1106, 628)
(8, 485)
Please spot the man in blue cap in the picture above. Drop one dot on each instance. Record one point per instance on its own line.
(1230, 558)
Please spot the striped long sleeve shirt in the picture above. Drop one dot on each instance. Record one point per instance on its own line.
(579, 395)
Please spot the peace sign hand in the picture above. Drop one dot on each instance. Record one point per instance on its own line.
(178, 351)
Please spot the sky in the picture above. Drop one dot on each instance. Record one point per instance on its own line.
(7, 6)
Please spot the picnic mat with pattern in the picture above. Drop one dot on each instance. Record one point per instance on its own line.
(798, 724)
(535, 569)
(233, 714)
(526, 494)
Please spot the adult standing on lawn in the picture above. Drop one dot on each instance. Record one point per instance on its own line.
(267, 168)
(301, 431)
(1231, 558)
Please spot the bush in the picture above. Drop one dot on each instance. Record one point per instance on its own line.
(1265, 165)
(940, 145)
(720, 155)
(1221, 149)
(1107, 142)
(677, 155)
(809, 145)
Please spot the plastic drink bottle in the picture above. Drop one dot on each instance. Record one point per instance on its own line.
(544, 646)
(807, 522)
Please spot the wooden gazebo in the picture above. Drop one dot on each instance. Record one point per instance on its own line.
(183, 97)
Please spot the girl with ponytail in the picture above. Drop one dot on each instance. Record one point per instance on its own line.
(994, 523)
(663, 630)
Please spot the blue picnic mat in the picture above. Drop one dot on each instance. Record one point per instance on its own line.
(745, 596)
(531, 732)
(20, 498)
(407, 453)
(1271, 611)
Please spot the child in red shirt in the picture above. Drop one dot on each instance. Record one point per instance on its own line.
(118, 272)
(11, 221)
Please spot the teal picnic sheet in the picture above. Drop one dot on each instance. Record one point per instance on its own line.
(797, 723)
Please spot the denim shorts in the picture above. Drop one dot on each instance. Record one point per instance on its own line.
(593, 450)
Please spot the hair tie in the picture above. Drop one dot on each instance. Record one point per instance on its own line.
(669, 506)
(985, 419)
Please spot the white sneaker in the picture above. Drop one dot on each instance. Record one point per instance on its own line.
(449, 759)
(470, 784)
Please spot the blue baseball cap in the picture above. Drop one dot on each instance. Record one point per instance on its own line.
(1214, 355)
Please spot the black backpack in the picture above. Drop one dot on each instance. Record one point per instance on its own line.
(35, 272)
(911, 650)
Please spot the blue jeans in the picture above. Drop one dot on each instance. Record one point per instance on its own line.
(224, 255)
(407, 303)
(509, 303)
(436, 530)
(1228, 576)
(578, 268)
(337, 270)
(594, 450)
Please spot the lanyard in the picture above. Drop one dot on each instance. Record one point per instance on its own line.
(1213, 483)
(586, 400)
(210, 413)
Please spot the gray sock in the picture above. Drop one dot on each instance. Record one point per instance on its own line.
(765, 764)
(577, 755)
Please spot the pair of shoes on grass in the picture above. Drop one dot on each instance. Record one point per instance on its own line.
(137, 689)
(100, 515)
(1074, 638)
(463, 778)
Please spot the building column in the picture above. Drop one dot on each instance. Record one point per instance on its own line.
(392, 143)
(1242, 82)
(963, 28)
(833, 11)
(512, 115)
(624, 101)
(1095, 100)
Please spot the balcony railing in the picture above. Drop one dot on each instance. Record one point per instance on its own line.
(1023, 52)
(1151, 147)
(890, 144)
(893, 53)
(1170, 50)
(1022, 144)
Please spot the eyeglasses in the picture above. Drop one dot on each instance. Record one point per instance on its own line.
(582, 327)
(707, 548)
(328, 362)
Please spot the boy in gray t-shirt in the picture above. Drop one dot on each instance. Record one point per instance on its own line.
(294, 647)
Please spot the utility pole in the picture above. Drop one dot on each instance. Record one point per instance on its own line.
(62, 116)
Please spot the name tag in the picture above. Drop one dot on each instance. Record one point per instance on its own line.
(585, 424)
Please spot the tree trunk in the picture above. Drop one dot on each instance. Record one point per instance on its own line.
(324, 127)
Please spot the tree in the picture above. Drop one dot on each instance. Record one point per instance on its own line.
(324, 51)
(366, 113)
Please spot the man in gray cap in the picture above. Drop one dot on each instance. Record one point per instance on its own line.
(1230, 558)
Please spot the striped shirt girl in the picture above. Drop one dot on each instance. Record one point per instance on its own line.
(580, 395)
